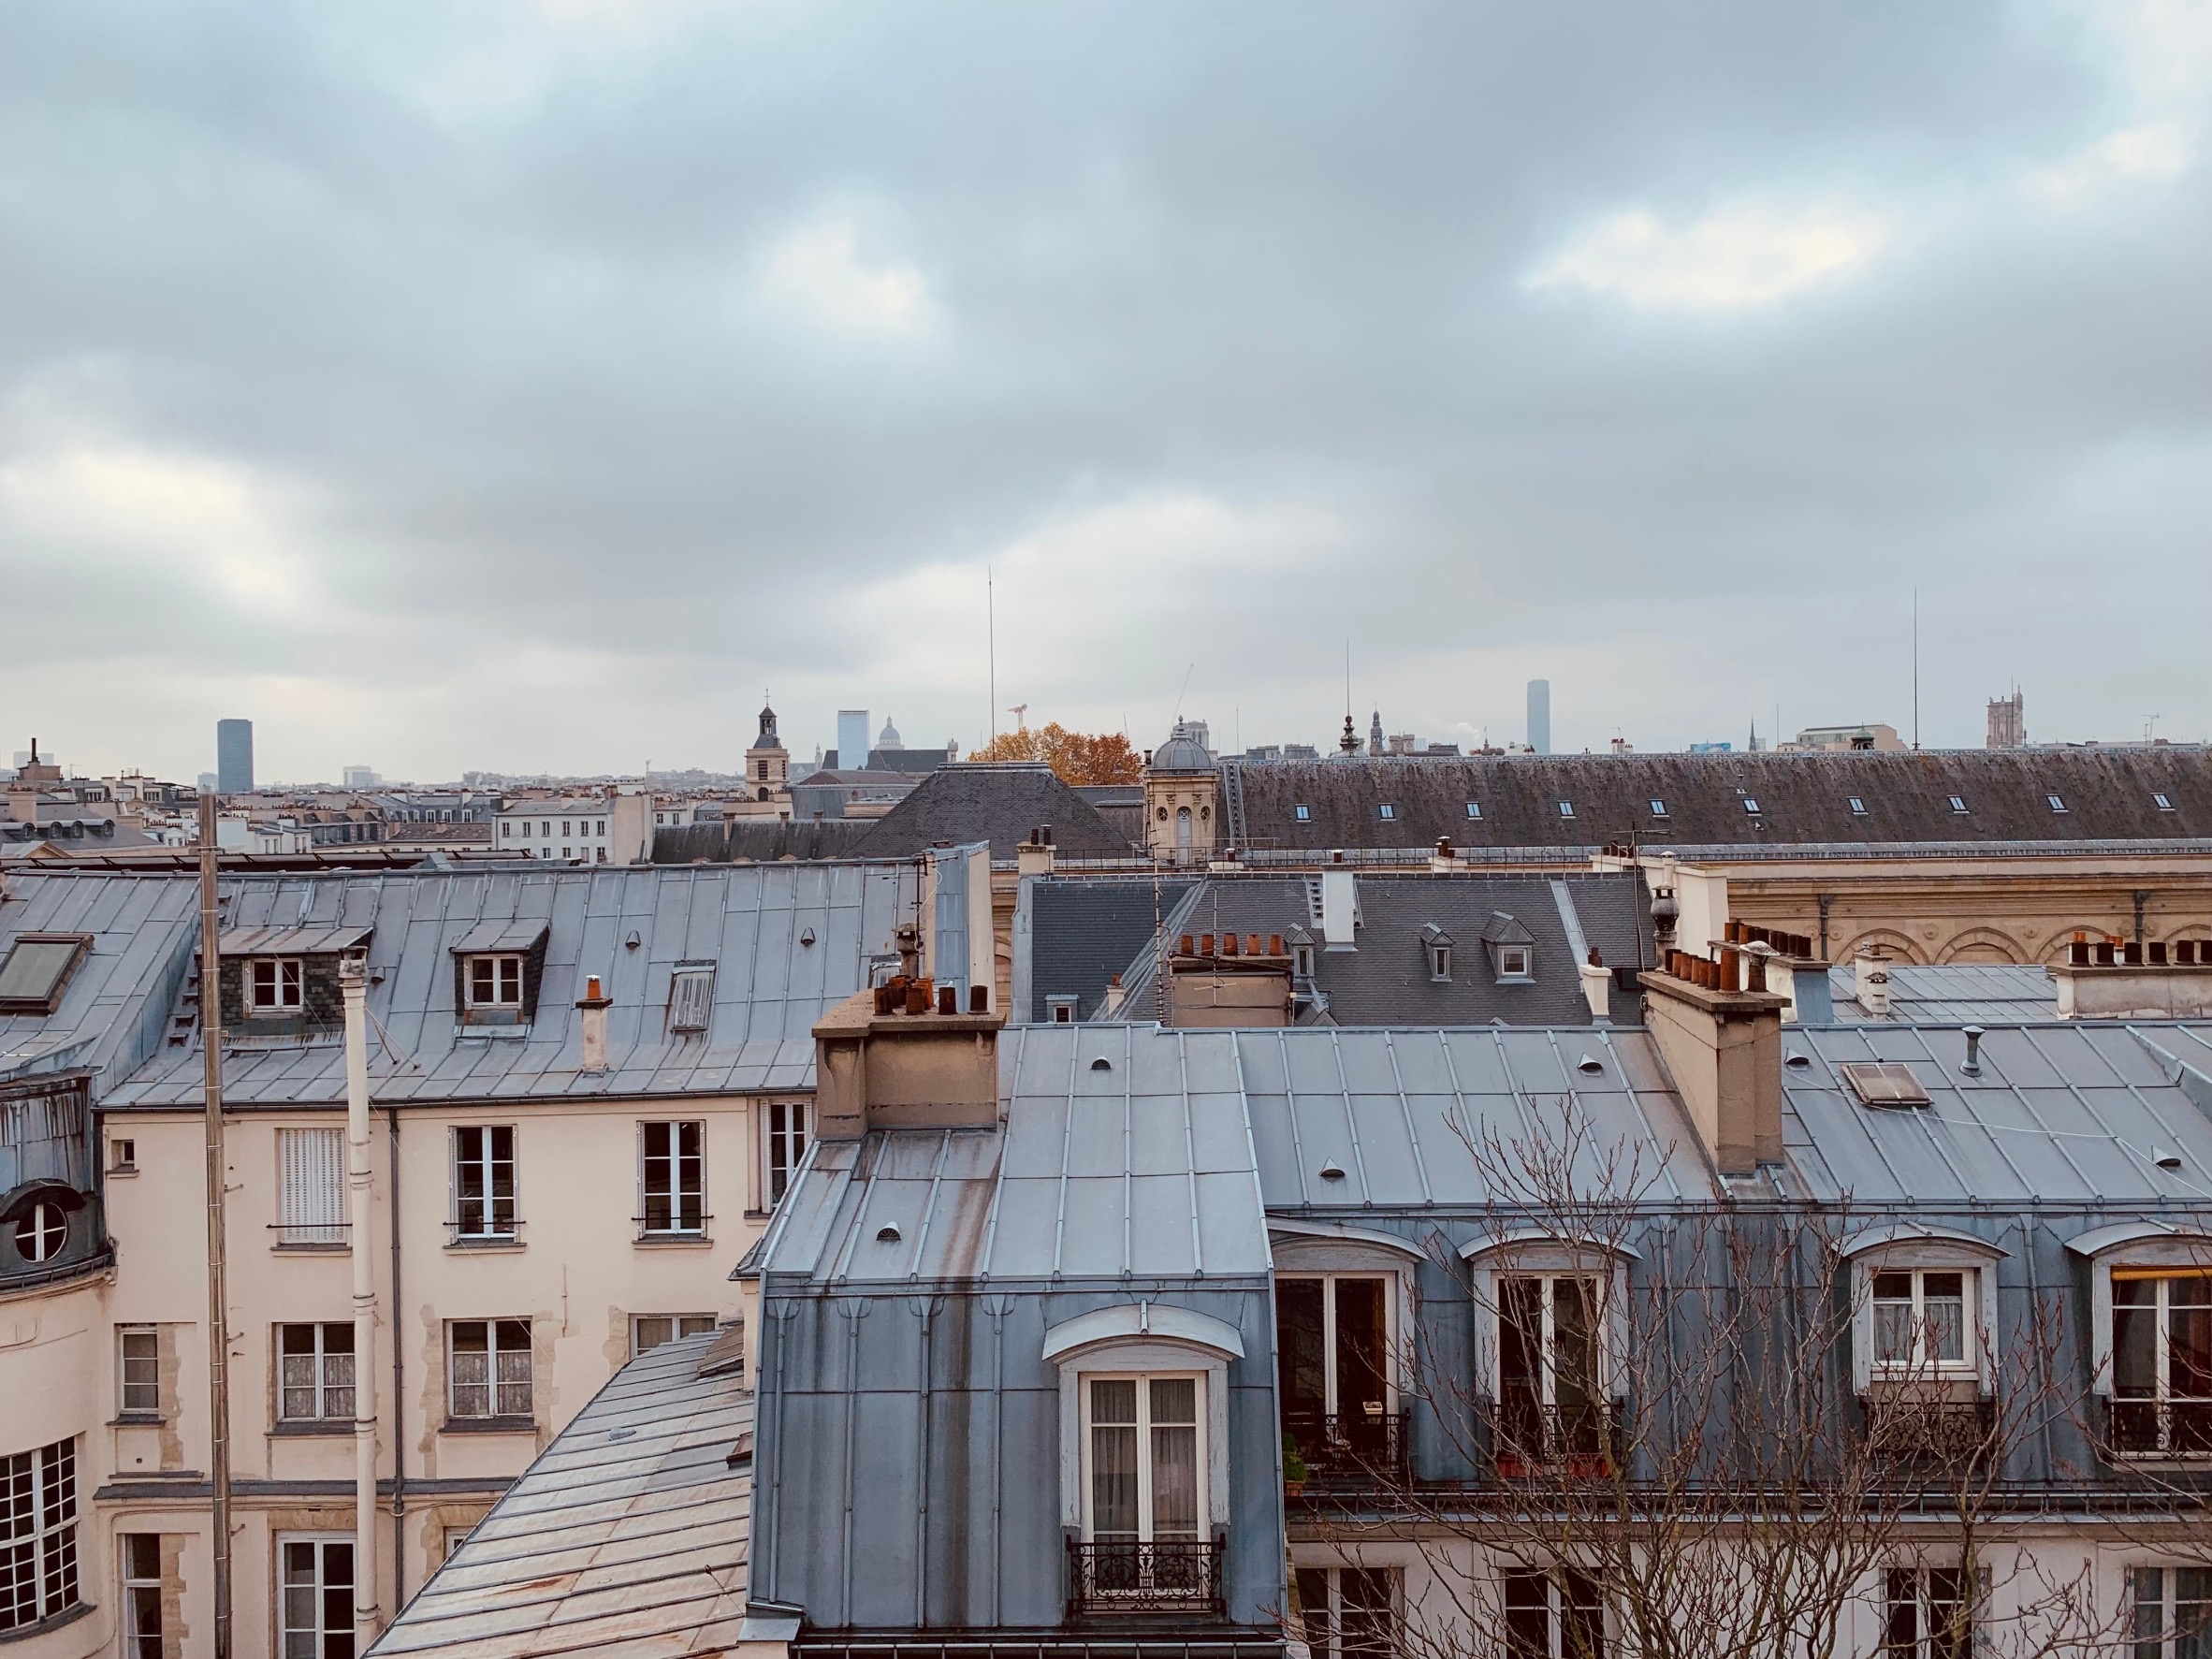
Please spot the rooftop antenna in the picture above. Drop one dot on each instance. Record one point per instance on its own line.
(1185, 691)
(1916, 670)
(2151, 727)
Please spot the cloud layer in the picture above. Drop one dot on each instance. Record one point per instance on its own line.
(529, 385)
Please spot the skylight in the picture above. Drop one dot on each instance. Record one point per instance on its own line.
(1389, 811)
(1957, 803)
(1859, 808)
(1474, 809)
(33, 972)
(1751, 803)
(1304, 813)
(1883, 1084)
(2163, 804)
(2058, 803)
(1658, 808)
(1566, 809)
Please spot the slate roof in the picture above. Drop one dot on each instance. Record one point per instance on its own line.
(112, 1011)
(628, 1536)
(1083, 932)
(1000, 804)
(1386, 981)
(752, 922)
(1803, 798)
(1960, 992)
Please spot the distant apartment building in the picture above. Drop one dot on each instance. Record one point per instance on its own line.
(573, 829)
(234, 757)
(1874, 734)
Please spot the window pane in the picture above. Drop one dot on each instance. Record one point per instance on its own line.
(1944, 1300)
(1574, 1309)
(1113, 1480)
(1528, 1616)
(2135, 1340)
(1313, 1609)
(1300, 1364)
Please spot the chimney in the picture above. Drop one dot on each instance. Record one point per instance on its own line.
(591, 1022)
(2155, 988)
(1339, 905)
(1597, 986)
(1446, 858)
(1870, 977)
(1034, 857)
(892, 1058)
(1724, 1050)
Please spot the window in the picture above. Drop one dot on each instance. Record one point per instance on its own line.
(1474, 809)
(649, 1331)
(138, 1370)
(1347, 1612)
(315, 1600)
(601, 830)
(495, 982)
(1061, 1010)
(1514, 963)
(1389, 811)
(787, 1145)
(506, 831)
(1927, 1615)
(1751, 804)
(484, 1182)
(33, 974)
(1957, 803)
(42, 1231)
(672, 1175)
(1146, 1471)
(123, 1157)
(2164, 803)
(545, 831)
(2171, 1611)
(690, 998)
(488, 1369)
(2161, 1363)
(1440, 964)
(311, 1186)
(526, 829)
(1658, 808)
(1549, 1398)
(37, 1534)
(1332, 1347)
(2058, 803)
(1553, 1616)
(1920, 1320)
(1566, 809)
(273, 984)
(141, 1558)
(1301, 961)
(315, 1374)
(1859, 808)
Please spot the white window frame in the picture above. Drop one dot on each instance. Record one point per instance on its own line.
(783, 1148)
(676, 1323)
(43, 1232)
(1390, 811)
(1515, 963)
(686, 1203)
(1556, 1608)
(1393, 1286)
(318, 1585)
(2165, 1598)
(1301, 961)
(1908, 1247)
(1918, 1363)
(502, 964)
(2161, 1398)
(43, 1482)
(1304, 812)
(139, 1371)
(1152, 1339)
(324, 1384)
(1322, 1628)
(1061, 1010)
(1143, 1381)
(1659, 807)
(487, 1163)
(1566, 809)
(492, 1383)
(1440, 965)
(1925, 1643)
(276, 986)
(138, 1640)
(1524, 1253)
(1475, 809)
(311, 1185)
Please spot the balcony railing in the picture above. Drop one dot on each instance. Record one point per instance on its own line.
(1930, 1436)
(1127, 1577)
(1531, 1441)
(2160, 1429)
(1350, 1449)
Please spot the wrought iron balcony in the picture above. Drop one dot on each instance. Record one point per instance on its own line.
(2159, 1429)
(1531, 1441)
(1125, 1577)
(1350, 1449)
(1930, 1436)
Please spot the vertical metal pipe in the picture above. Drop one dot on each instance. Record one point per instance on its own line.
(391, 1120)
(353, 979)
(211, 1029)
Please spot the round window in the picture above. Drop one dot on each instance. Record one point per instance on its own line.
(39, 1234)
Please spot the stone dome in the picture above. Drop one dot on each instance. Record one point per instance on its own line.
(889, 738)
(1182, 753)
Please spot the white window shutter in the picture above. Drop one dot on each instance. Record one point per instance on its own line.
(312, 1163)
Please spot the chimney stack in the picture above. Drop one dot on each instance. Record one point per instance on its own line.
(1869, 975)
(591, 1023)
(1723, 1049)
(1597, 986)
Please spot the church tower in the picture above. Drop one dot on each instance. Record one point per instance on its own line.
(767, 763)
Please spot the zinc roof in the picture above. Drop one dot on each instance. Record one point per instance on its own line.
(114, 1005)
(1961, 991)
(753, 922)
(628, 1536)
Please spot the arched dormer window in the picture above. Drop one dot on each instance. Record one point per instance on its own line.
(1550, 1345)
(1923, 1309)
(1342, 1296)
(2150, 1302)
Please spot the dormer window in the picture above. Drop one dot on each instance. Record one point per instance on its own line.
(1301, 961)
(1921, 1323)
(1436, 944)
(275, 984)
(1062, 1009)
(495, 983)
(1513, 963)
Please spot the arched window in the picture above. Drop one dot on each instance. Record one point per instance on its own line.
(1183, 829)
(41, 1232)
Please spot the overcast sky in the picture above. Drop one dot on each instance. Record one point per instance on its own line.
(529, 385)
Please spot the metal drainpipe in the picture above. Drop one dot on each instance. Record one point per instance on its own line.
(353, 979)
(391, 1118)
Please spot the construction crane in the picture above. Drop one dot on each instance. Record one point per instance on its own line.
(1018, 710)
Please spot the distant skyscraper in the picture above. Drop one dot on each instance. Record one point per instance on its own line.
(852, 739)
(1539, 716)
(234, 757)
(2008, 721)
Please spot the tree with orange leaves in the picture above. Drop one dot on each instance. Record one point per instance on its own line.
(1075, 756)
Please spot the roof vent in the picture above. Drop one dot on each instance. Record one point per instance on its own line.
(1333, 1172)
(1589, 1063)
(807, 935)
(2165, 1160)
(887, 1234)
(1101, 1064)
(1883, 1084)
(1797, 1059)
(620, 1433)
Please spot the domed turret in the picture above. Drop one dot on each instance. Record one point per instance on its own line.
(1182, 753)
(889, 738)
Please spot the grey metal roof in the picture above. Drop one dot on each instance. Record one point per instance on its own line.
(1141, 1169)
(628, 1535)
(752, 922)
(114, 1010)
(2066, 1114)
(290, 942)
(1966, 993)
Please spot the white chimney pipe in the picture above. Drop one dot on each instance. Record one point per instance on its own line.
(591, 1023)
(1870, 976)
(353, 981)
(1339, 903)
(1597, 986)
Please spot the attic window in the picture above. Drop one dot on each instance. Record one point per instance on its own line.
(273, 984)
(690, 997)
(1957, 803)
(1658, 808)
(2058, 803)
(1389, 811)
(1301, 961)
(1566, 809)
(1859, 808)
(1474, 809)
(1883, 1084)
(34, 974)
(1061, 1010)
(1304, 813)
(1440, 964)
(2162, 802)
(495, 982)
(1751, 804)
(1513, 963)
